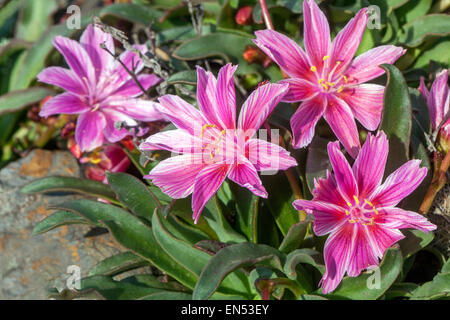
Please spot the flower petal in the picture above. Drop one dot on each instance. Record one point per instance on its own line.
(77, 59)
(328, 217)
(131, 89)
(363, 254)
(304, 120)
(259, 105)
(182, 114)
(343, 174)
(139, 109)
(245, 175)
(382, 238)
(207, 182)
(347, 40)
(399, 184)
(396, 218)
(226, 96)
(285, 52)
(91, 39)
(178, 141)
(370, 163)
(266, 156)
(66, 103)
(438, 99)
(365, 67)
(112, 116)
(63, 78)
(316, 33)
(341, 120)
(338, 251)
(89, 130)
(166, 175)
(299, 90)
(326, 190)
(423, 88)
(366, 103)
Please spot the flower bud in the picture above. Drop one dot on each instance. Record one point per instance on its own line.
(244, 16)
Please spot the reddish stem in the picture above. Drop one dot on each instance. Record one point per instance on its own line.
(265, 14)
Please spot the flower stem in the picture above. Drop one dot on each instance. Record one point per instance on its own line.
(265, 14)
(438, 182)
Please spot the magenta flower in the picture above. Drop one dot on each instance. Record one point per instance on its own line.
(98, 88)
(209, 146)
(438, 100)
(328, 81)
(359, 212)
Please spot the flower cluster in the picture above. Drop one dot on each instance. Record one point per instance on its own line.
(210, 143)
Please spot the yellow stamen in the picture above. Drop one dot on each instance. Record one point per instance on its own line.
(313, 68)
(356, 200)
(376, 212)
(338, 62)
(325, 58)
(351, 221)
(349, 204)
(204, 128)
(347, 213)
(331, 84)
(96, 107)
(369, 203)
(341, 87)
(325, 86)
(321, 80)
(345, 79)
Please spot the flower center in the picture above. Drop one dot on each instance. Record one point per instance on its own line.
(326, 80)
(213, 141)
(361, 212)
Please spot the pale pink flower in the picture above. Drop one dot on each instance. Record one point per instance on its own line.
(210, 146)
(438, 101)
(98, 88)
(328, 81)
(359, 212)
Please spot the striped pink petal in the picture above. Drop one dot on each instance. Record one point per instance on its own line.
(259, 105)
(304, 120)
(112, 116)
(226, 96)
(338, 252)
(340, 118)
(178, 141)
(423, 88)
(206, 184)
(245, 175)
(166, 175)
(348, 39)
(316, 33)
(343, 173)
(399, 184)
(266, 156)
(326, 190)
(366, 103)
(370, 163)
(89, 130)
(64, 78)
(285, 52)
(90, 40)
(67, 103)
(299, 90)
(363, 253)
(438, 99)
(139, 109)
(131, 89)
(396, 218)
(365, 67)
(381, 238)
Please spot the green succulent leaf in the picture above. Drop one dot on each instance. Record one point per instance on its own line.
(396, 120)
(70, 184)
(18, 100)
(437, 288)
(418, 30)
(231, 258)
(58, 219)
(294, 237)
(117, 264)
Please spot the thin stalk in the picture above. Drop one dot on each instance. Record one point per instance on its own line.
(265, 14)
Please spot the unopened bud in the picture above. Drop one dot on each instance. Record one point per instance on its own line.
(244, 16)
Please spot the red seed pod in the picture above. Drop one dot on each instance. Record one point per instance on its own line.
(244, 16)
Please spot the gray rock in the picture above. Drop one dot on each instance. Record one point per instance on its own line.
(31, 264)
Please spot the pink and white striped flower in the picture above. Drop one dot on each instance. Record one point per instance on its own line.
(98, 88)
(359, 212)
(210, 146)
(328, 81)
(438, 100)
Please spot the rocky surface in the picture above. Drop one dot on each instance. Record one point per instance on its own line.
(31, 264)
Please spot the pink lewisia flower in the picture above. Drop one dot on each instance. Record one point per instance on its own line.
(327, 79)
(359, 212)
(210, 145)
(438, 100)
(98, 88)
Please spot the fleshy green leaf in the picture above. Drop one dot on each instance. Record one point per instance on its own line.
(418, 30)
(294, 237)
(57, 219)
(231, 258)
(70, 184)
(117, 264)
(19, 99)
(317, 161)
(247, 211)
(184, 77)
(131, 12)
(396, 120)
(437, 288)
